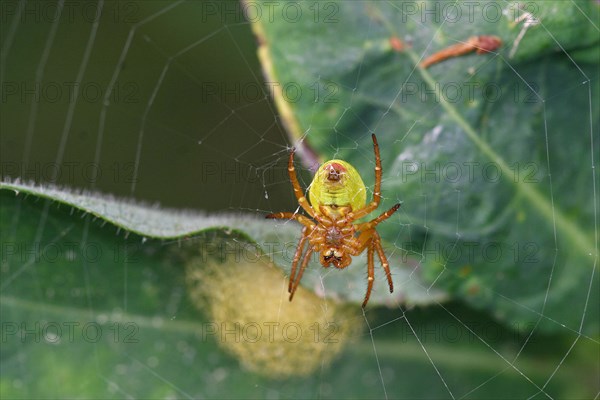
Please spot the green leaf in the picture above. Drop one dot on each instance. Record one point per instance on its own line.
(255, 235)
(481, 149)
(93, 313)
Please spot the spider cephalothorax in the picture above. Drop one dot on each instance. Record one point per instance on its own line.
(337, 199)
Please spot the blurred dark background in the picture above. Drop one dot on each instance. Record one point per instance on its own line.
(188, 104)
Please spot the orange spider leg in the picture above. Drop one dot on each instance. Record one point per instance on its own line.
(308, 224)
(376, 193)
(376, 243)
(288, 215)
(301, 272)
(368, 230)
(297, 256)
(281, 215)
(371, 224)
(371, 274)
(371, 239)
(298, 190)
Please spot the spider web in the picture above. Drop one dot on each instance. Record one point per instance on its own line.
(166, 102)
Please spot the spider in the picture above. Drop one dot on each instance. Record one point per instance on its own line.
(337, 199)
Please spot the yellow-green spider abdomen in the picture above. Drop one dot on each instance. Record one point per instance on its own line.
(337, 183)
